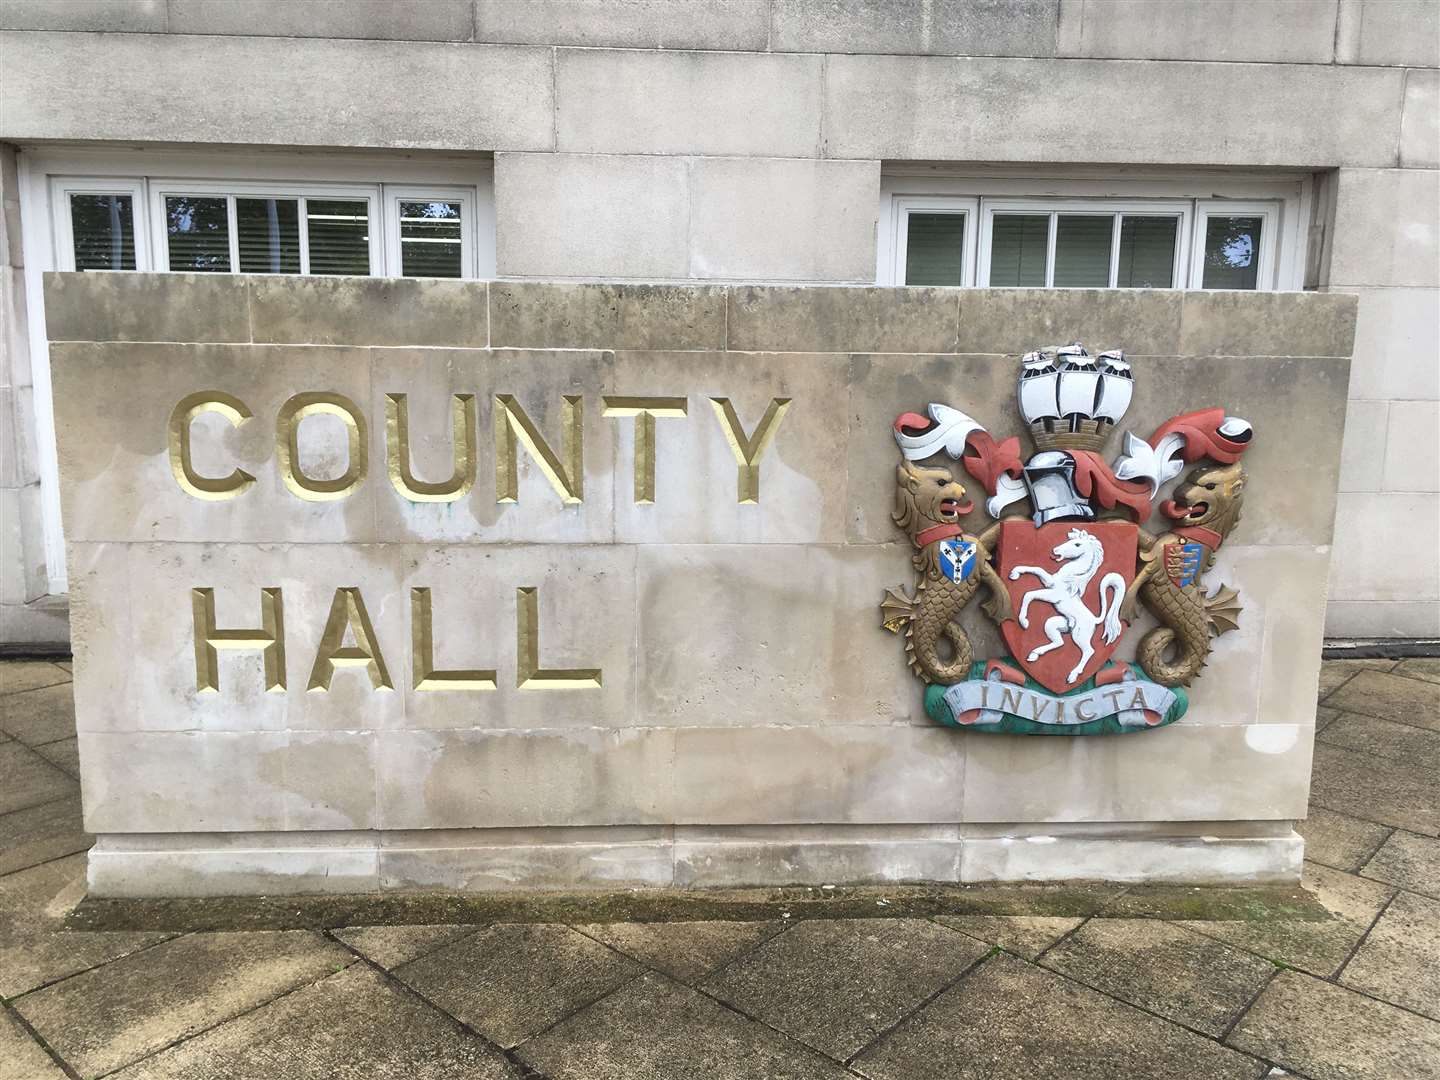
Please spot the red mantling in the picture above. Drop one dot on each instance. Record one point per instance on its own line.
(987, 460)
(1200, 535)
(1095, 480)
(1201, 432)
(936, 532)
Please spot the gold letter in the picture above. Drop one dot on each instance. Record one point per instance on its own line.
(270, 638)
(347, 612)
(512, 425)
(645, 410)
(397, 451)
(530, 675)
(287, 439)
(749, 450)
(422, 651)
(205, 487)
(1080, 709)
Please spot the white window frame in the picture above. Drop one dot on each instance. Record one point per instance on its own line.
(62, 187)
(1283, 199)
(394, 196)
(904, 206)
(1097, 207)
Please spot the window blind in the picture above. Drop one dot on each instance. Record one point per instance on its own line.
(1147, 252)
(1017, 249)
(268, 234)
(430, 244)
(198, 233)
(102, 230)
(1082, 250)
(935, 249)
(339, 235)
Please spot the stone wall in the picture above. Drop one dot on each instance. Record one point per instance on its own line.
(753, 722)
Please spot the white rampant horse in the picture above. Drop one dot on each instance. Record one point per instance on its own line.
(1065, 589)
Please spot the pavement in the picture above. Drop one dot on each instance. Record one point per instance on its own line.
(1085, 984)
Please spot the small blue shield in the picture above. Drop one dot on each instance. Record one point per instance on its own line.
(1190, 556)
(957, 559)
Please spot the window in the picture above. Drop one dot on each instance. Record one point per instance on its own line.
(1136, 235)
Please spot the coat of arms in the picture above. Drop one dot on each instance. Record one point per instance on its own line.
(1064, 581)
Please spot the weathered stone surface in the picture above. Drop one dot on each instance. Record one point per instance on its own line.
(368, 311)
(687, 951)
(815, 855)
(21, 1057)
(1340, 841)
(1411, 462)
(1419, 129)
(647, 102)
(1037, 854)
(1385, 228)
(1364, 568)
(28, 779)
(1318, 946)
(975, 1031)
(511, 981)
(784, 319)
(1164, 969)
(1392, 331)
(1320, 1029)
(144, 307)
(835, 985)
(163, 88)
(1384, 738)
(64, 755)
(615, 857)
(647, 24)
(1281, 31)
(601, 316)
(1107, 110)
(949, 27)
(39, 716)
(116, 16)
(1223, 324)
(391, 946)
(1141, 321)
(355, 1021)
(1426, 668)
(112, 1015)
(1390, 697)
(1376, 789)
(150, 865)
(41, 833)
(1412, 862)
(1399, 960)
(1389, 32)
(20, 675)
(1027, 936)
(434, 20)
(648, 1031)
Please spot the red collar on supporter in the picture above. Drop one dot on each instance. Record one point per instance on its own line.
(1200, 534)
(936, 532)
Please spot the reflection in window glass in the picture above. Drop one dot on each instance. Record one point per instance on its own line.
(934, 249)
(1147, 252)
(1082, 250)
(1232, 252)
(268, 234)
(103, 231)
(430, 239)
(198, 233)
(339, 234)
(1017, 249)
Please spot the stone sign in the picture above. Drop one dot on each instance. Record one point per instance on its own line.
(386, 584)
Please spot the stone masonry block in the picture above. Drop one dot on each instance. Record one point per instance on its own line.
(181, 88)
(1109, 110)
(1365, 567)
(1279, 31)
(1412, 449)
(783, 319)
(115, 16)
(147, 307)
(1250, 324)
(1420, 128)
(1397, 355)
(1146, 321)
(1382, 618)
(599, 316)
(433, 20)
(1405, 32)
(939, 27)
(1387, 228)
(643, 102)
(731, 25)
(1362, 461)
(370, 311)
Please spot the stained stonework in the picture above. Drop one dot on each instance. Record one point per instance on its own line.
(693, 689)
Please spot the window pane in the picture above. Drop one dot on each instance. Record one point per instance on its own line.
(1017, 249)
(1082, 250)
(1147, 252)
(268, 231)
(430, 239)
(103, 229)
(1232, 252)
(935, 249)
(339, 233)
(199, 233)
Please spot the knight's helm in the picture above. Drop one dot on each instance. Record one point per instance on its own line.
(1050, 476)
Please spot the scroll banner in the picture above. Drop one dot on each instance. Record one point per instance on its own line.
(992, 699)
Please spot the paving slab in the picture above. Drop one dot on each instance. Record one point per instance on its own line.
(113, 1015)
(35, 949)
(64, 755)
(1319, 946)
(1163, 968)
(1322, 1030)
(1407, 860)
(1324, 716)
(1399, 961)
(27, 779)
(1009, 1020)
(1374, 788)
(835, 984)
(656, 1029)
(36, 717)
(1024, 935)
(687, 951)
(354, 1024)
(391, 946)
(1426, 667)
(17, 676)
(1390, 697)
(1339, 840)
(1384, 738)
(1336, 673)
(41, 833)
(514, 980)
(21, 1057)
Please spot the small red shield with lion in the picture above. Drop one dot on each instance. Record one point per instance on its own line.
(1067, 581)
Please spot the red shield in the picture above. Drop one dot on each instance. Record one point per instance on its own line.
(1067, 579)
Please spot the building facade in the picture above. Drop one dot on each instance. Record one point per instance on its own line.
(1189, 144)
